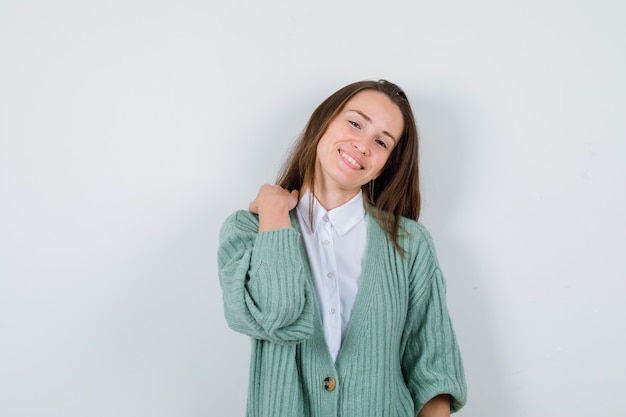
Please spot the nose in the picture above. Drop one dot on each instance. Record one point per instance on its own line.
(360, 146)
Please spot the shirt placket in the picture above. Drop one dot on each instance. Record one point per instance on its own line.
(332, 311)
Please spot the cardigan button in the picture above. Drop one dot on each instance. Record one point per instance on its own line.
(330, 384)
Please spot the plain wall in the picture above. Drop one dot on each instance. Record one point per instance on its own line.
(130, 129)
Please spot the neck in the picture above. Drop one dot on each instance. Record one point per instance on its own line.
(335, 198)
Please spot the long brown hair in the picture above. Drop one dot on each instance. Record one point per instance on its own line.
(396, 192)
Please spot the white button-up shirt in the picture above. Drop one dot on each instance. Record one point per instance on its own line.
(335, 245)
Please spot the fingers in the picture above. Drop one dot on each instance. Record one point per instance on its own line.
(294, 198)
(253, 207)
(274, 198)
(273, 204)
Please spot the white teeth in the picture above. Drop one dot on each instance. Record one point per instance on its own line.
(350, 160)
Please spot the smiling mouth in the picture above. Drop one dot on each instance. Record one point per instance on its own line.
(350, 160)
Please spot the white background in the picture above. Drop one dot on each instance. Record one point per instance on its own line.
(130, 129)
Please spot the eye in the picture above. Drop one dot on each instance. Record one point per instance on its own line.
(381, 143)
(355, 124)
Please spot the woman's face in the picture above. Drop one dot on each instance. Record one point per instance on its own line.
(358, 142)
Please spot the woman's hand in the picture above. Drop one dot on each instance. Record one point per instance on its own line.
(273, 204)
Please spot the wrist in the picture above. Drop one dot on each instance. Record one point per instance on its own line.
(273, 220)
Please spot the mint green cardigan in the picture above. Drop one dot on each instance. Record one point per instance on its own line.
(399, 350)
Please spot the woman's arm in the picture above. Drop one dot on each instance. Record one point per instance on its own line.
(264, 278)
(431, 360)
(437, 407)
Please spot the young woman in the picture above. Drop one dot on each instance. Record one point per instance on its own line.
(334, 279)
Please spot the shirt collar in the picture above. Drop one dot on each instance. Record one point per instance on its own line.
(343, 218)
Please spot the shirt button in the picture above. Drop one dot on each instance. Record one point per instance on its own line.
(325, 218)
(325, 243)
(330, 275)
(331, 311)
(330, 384)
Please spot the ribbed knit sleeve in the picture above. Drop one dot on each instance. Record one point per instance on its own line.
(432, 361)
(264, 281)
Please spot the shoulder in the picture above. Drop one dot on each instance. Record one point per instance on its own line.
(421, 259)
(412, 235)
(414, 231)
(415, 238)
(239, 222)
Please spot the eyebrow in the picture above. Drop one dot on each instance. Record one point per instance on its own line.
(366, 117)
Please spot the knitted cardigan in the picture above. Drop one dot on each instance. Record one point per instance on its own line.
(399, 350)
